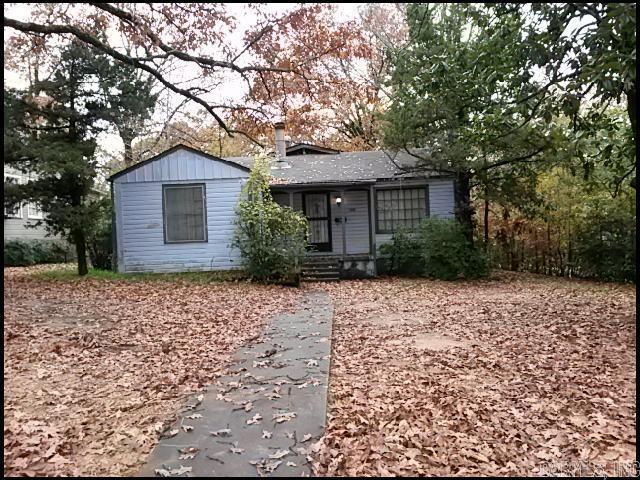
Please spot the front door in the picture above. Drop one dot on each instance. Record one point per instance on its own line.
(317, 210)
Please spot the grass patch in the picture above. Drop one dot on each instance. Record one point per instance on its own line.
(71, 275)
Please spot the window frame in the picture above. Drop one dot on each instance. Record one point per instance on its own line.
(425, 188)
(203, 187)
(33, 206)
(20, 215)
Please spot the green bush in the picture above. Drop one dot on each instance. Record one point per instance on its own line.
(402, 255)
(272, 239)
(99, 240)
(606, 247)
(22, 253)
(447, 253)
(439, 249)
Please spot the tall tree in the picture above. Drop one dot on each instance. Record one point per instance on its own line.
(584, 56)
(451, 92)
(52, 135)
(131, 100)
(338, 100)
(171, 37)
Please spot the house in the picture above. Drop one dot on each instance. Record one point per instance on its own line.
(176, 211)
(18, 216)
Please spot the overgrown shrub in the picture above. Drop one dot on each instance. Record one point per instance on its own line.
(272, 240)
(440, 249)
(447, 253)
(606, 247)
(99, 240)
(402, 255)
(22, 253)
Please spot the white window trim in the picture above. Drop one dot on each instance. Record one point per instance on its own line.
(204, 211)
(34, 216)
(20, 213)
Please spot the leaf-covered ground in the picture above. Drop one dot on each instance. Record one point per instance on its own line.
(95, 369)
(519, 375)
(509, 376)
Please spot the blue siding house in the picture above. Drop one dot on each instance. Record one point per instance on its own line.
(175, 212)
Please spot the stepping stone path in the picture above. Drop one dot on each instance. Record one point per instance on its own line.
(261, 419)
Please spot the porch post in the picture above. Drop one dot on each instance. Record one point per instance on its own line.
(372, 227)
(343, 222)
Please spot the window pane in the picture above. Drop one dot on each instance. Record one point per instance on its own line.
(184, 214)
(400, 207)
(281, 199)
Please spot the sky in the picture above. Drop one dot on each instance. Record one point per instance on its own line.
(230, 89)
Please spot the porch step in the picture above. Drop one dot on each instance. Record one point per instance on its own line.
(320, 270)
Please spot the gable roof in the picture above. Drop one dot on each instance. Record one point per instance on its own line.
(353, 167)
(345, 167)
(170, 151)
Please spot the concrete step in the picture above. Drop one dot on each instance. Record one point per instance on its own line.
(322, 279)
(320, 269)
(321, 274)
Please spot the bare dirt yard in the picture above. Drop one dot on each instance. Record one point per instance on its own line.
(516, 375)
(95, 369)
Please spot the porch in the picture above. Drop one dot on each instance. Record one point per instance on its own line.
(341, 226)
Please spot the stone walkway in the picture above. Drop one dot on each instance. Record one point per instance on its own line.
(261, 419)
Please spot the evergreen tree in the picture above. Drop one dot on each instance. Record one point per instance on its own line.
(128, 93)
(51, 133)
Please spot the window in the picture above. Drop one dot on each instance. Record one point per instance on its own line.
(281, 198)
(15, 210)
(34, 211)
(184, 213)
(400, 208)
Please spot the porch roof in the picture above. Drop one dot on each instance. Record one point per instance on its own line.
(345, 167)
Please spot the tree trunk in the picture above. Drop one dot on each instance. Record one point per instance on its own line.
(127, 138)
(632, 111)
(535, 250)
(486, 221)
(463, 209)
(81, 251)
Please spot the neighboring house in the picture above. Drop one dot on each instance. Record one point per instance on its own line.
(176, 211)
(18, 216)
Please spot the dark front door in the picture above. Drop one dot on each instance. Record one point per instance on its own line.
(317, 211)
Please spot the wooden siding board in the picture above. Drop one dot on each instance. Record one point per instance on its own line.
(182, 165)
(142, 231)
(357, 225)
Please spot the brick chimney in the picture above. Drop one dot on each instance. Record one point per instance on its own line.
(281, 146)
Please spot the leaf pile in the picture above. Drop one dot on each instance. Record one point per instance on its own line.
(95, 369)
(542, 372)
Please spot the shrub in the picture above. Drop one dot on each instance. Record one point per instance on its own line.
(402, 255)
(606, 247)
(447, 253)
(272, 239)
(22, 253)
(99, 240)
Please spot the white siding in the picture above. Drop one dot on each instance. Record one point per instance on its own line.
(16, 228)
(355, 209)
(441, 200)
(181, 165)
(139, 215)
(441, 203)
(141, 246)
